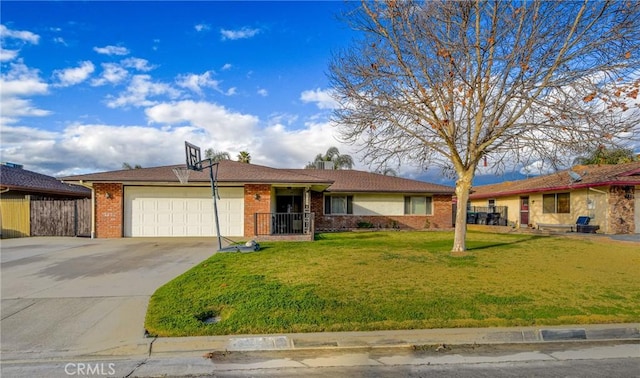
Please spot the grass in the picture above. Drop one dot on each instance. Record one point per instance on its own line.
(402, 280)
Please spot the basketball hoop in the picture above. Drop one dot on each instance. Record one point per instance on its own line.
(182, 174)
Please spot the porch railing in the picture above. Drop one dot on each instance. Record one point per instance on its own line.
(283, 223)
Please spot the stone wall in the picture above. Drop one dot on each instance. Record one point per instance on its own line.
(621, 210)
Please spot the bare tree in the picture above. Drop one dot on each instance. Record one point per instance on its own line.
(216, 156)
(452, 83)
(604, 155)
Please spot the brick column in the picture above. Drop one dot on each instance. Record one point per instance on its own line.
(257, 199)
(442, 211)
(109, 210)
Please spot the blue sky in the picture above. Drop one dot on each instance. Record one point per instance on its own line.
(87, 86)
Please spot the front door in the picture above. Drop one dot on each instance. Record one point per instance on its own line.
(524, 211)
(288, 204)
(289, 207)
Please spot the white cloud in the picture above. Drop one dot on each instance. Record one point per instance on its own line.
(81, 148)
(138, 63)
(76, 75)
(60, 40)
(12, 40)
(111, 50)
(139, 91)
(231, 91)
(219, 122)
(7, 55)
(242, 33)
(22, 35)
(322, 98)
(226, 67)
(196, 82)
(14, 108)
(263, 92)
(112, 73)
(280, 146)
(536, 168)
(15, 83)
(90, 147)
(202, 27)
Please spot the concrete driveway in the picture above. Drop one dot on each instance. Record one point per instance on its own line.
(65, 297)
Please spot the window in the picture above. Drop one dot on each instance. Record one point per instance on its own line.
(556, 203)
(416, 205)
(338, 204)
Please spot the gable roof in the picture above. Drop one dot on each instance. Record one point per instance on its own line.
(589, 176)
(346, 180)
(18, 179)
(235, 172)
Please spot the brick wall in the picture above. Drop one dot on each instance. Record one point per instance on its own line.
(109, 210)
(441, 218)
(253, 205)
(621, 210)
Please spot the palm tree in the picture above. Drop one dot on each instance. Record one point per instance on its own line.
(244, 157)
(126, 165)
(216, 156)
(340, 161)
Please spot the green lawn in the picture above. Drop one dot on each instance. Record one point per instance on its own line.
(403, 280)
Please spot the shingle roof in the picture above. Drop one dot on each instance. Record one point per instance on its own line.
(359, 181)
(590, 176)
(27, 181)
(228, 171)
(236, 172)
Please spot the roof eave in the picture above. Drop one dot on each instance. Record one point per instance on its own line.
(70, 193)
(553, 189)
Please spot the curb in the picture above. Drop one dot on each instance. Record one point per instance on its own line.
(395, 339)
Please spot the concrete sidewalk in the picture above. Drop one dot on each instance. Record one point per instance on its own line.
(375, 339)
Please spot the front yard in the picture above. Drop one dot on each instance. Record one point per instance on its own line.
(402, 280)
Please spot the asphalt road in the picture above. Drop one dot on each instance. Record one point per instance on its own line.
(619, 368)
(72, 296)
(583, 359)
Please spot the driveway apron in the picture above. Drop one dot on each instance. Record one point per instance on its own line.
(66, 297)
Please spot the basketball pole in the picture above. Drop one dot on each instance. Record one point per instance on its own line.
(194, 163)
(214, 192)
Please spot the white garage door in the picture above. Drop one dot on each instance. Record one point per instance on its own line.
(181, 211)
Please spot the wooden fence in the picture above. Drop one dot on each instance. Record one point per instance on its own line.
(24, 217)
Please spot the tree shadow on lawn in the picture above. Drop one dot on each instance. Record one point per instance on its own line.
(352, 235)
(477, 246)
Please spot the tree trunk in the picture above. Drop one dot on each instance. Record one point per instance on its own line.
(463, 186)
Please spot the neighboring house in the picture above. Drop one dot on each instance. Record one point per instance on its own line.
(33, 204)
(608, 194)
(260, 202)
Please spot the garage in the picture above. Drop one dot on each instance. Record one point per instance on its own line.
(181, 211)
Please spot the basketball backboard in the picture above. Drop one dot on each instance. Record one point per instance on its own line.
(194, 159)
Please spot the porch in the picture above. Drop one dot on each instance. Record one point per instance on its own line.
(284, 226)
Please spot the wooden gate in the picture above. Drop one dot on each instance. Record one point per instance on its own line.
(14, 217)
(61, 217)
